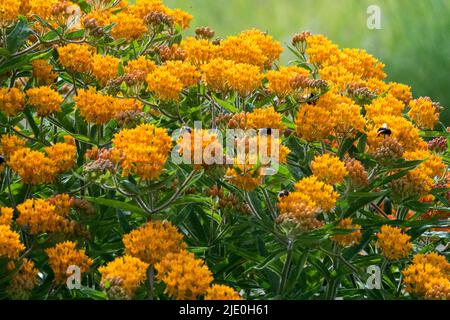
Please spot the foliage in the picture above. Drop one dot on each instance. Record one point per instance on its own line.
(91, 93)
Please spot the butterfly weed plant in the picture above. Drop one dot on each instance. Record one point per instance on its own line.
(114, 174)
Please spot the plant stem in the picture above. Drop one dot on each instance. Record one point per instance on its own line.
(286, 268)
(151, 281)
(269, 203)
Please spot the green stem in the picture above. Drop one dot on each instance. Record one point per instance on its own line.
(286, 268)
(151, 281)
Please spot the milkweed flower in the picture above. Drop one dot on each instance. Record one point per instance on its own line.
(320, 49)
(12, 101)
(322, 194)
(214, 74)
(415, 182)
(400, 91)
(348, 239)
(164, 85)
(432, 163)
(62, 202)
(424, 112)
(428, 276)
(42, 71)
(65, 254)
(264, 118)
(387, 105)
(388, 150)
(142, 150)
(357, 174)
(186, 277)
(406, 134)
(9, 10)
(105, 67)
(329, 169)
(140, 64)
(11, 143)
(270, 48)
(222, 292)
(198, 51)
(151, 242)
(361, 63)
(180, 17)
(131, 271)
(127, 26)
(10, 245)
(63, 154)
(280, 80)
(242, 50)
(300, 210)
(313, 123)
(200, 147)
(244, 176)
(76, 57)
(98, 108)
(24, 281)
(6, 216)
(41, 216)
(45, 99)
(244, 78)
(32, 166)
(261, 152)
(184, 71)
(347, 120)
(394, 244)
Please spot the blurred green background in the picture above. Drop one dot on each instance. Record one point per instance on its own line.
(413, 41)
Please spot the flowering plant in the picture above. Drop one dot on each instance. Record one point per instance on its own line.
(109, 188)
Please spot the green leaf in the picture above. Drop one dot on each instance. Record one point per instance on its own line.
(358, 200)
(17, 37)
(226, 105)
(125, 206)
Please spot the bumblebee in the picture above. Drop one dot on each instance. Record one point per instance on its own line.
(283, 193)
(384, 130)
(311, 99)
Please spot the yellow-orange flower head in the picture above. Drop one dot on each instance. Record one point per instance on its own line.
(348, 239)
(76, 57)
(320, 193)
(329, 169)
(130, 270)
(105, 67)
(32, 166)
(41, 216)
(424, 112)
(222, 292)
(393, 243)
(65, 254)
(42, 71)
(244, 78)
(45, 100)
(164, 85)
(428, 276)
(313, 123)
(142, 150)
(153, 241)
(10, 245)
(12, 101)
(186, 277)
(214, 74)
(300, 210)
